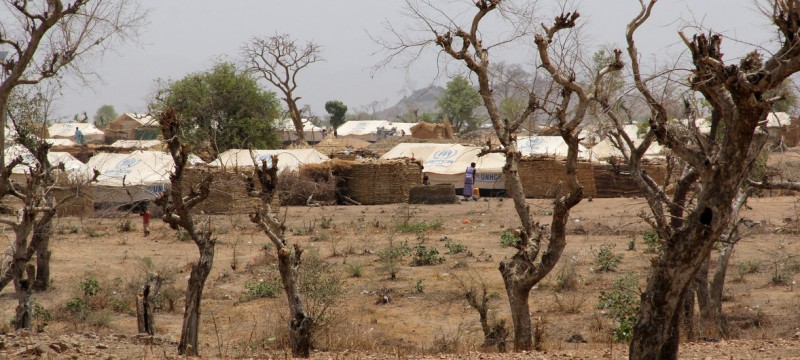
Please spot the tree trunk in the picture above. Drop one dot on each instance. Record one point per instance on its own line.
(145, 303)
(520, 315)
(300, 323)
(194, 292)
(24, 316)
(297, 119)
(42, 233)
(688, 311)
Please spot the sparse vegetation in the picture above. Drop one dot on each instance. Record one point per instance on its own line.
(454, 247)
(426, 256)
(606, 260)
(391, 257)
(261, 289)
(651, 242)
(418, 227)
(622, 305)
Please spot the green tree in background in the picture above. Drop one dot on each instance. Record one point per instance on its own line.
(337, 110)
(458, 103)
(226, 109)
(104, 115)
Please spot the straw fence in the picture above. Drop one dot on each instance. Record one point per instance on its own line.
(543, 176)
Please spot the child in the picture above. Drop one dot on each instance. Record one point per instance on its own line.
(145, 214)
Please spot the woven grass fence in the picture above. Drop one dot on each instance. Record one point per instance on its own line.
(383, 182)
(542, 177)
(615, 180)
(81, 205)
(228, 193)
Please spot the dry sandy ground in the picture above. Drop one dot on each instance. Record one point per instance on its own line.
(437, 320)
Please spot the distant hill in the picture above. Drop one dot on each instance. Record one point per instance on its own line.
(422, 100)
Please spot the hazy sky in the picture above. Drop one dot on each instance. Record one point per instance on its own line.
(186, 36)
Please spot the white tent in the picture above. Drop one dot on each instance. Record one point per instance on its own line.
(75, 169)
(287, 159)
(137, 144)
(703, 125)
(606, 149)
(778, 119)
(61, 142)
(447, 163)
(91, 134)
(145, 175)
(548, 145)
(403, 128)
(310, 131)
(366, 130)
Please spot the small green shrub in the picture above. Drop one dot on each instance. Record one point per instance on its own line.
(40, 316)
(261, 289)
(418, 227)
(90, 286)
(651, 242)
(320, 236)
(390, 258)
(300, 231)
(326, 222)
(126, 226)
(507, 239)
(419, 287)
(454, 248)
(77, 308)
(99, 319)
(92, 232)
(622, 304)
(426, 256)
(320, 287)
(183, 235)
(355, 269)
(748, 267)
(606, 260)
(632, 245)
(567, 277)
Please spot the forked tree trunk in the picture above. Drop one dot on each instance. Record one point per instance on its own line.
(145, 304)
(188, 344)
(41, 234)
(300, 324)
(24, 314)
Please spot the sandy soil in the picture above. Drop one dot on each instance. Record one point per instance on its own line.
(437, 320)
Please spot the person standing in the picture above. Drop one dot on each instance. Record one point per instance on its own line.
(78, 136)
(469, 181)
(145, 214)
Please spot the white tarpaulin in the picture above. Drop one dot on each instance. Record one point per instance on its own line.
(287, 159)
(91, 134)
(548, 145)
(75, 169)
(367, 130)
(447, 163)
(61, 142)
(137, 144)
(778, 119)
(288, 131)
(606, 149)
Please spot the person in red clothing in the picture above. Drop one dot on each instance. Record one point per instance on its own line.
(145, 214)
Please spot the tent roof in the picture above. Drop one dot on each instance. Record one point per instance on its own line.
(61, 142)
(447, 158)
(548, 145)
(140, 167)
(142, 119)
(361, 127)
(778, 119)
(703, 125)
(68, 129)
(402, 126)
(74, 167)
(606, 149)
(288, 125)
(136, 144)
(289, 159)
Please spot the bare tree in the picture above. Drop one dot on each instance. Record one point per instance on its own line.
(717, 165)
(300, 322)
(279, 59)
(538, 249)
(177, 212)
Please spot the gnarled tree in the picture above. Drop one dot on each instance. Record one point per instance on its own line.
(279, 59)
(538, 249)
(717, 165)
(300, 322)
(177, 212)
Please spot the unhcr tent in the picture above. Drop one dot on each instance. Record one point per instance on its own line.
(61, 142)
(447, 163)
(138, 144)
(553, 146)
(287, 159)
(91, 134)
(606, 149)
(366, 130)
(311, 132)
(145, 175)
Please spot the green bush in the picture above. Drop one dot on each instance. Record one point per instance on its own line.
(567, 277)
(454, 248)
(40, 316)
(320, 287)
(355, 269)
(390, 258)
(606, 260)
(326, 222)
(651, 242)
(507, 239)
(77, 307)
(90, 286)
(261, 289)
(426, 256)
(126, 226)
(418, 227)
(622, 303)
